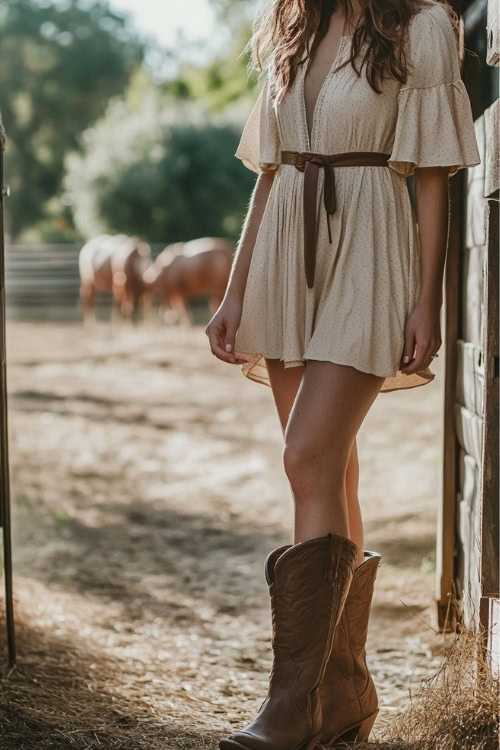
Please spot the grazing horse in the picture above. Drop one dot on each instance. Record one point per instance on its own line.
(115, 264)
(94, 262)
(128, 264)
(185, 270)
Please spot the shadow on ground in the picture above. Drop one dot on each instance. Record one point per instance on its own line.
(60, 697)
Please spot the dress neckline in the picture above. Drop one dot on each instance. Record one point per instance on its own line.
(305, 70)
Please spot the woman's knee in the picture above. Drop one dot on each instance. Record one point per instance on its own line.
(309, 466)
(294, 460)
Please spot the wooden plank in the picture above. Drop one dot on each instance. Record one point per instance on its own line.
(493, 33)
(490, 620)
(475, 235)
(42, 247)
(492, 166)
(43, 284)
(469, 431)
(469, 530)
(472, 294)
(445, 536)
(490, 481)
(470, 376)
(42, 278)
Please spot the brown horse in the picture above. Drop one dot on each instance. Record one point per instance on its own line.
(185, 270)
(114, 264)
(96, 275)
(128, 264)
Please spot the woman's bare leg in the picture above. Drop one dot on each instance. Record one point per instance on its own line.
(320, 432)
(353, 507)
(285, 383)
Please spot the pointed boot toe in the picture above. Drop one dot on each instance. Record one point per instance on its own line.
(234, 742)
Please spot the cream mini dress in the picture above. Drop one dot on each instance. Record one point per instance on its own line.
(367, 281)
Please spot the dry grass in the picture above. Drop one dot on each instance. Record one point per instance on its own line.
(62, 697)
(457, 708)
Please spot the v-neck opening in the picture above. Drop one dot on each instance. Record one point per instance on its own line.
(310, 135)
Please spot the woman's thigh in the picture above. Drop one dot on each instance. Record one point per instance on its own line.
(285, 382)
(330, 405)
(325, 385)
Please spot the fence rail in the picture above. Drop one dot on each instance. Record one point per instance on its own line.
(43, 283)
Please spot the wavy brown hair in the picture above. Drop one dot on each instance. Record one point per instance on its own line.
(282, 28)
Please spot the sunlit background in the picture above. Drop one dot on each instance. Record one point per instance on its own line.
(193, 21)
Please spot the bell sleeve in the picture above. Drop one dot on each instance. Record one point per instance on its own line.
(434, 126)
(259, 147)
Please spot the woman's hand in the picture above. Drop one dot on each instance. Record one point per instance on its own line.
(422, 331)
(422, 338)
(221, 330)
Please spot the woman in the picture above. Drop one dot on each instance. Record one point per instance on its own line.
(335, 296)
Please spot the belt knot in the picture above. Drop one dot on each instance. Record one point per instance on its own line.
(309, 163)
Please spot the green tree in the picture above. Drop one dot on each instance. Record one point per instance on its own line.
(61, 63)
(160, 168)
(220, 83)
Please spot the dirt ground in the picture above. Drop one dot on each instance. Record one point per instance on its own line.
(147, 489)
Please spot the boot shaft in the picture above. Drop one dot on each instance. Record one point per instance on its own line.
(358, 603)
(308, 585)
(348, 695)
(348, 650)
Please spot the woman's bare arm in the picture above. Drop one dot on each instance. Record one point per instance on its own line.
(241, 263)
(222, 328)
(422, 335)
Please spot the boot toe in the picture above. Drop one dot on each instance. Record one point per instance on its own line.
(239, 741)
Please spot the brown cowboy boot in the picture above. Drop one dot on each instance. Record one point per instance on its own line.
(308, 583)
(348, 697)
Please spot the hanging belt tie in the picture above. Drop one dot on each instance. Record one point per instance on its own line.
(310, 163)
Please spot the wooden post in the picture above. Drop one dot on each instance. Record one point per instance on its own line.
(4, 440)
(447, 507)
(489, 484)
(445, 539)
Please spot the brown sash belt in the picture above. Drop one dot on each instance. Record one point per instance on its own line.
(309, 163)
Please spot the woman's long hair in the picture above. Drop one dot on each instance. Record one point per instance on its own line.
(282, 28)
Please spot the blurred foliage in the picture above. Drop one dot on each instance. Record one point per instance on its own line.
(97, 142)
(60, 65)
(229, 9)
(220, 83)
(160, 168)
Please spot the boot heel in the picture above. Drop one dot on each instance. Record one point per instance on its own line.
(360, 733)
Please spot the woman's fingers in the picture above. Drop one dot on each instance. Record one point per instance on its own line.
(409, 349)
(217, 339)
(229, 337)
(423, 358)
(422, 340)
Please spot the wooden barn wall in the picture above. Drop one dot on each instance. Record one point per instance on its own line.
(468, 533)
(476, 398)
